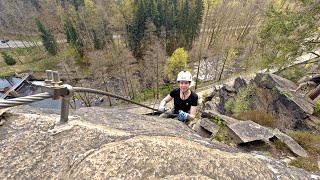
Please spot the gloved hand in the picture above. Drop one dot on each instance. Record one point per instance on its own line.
(182, 116)
(161, 109)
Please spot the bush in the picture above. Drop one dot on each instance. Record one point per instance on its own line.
(317, 109)
(260, 117)
(242, 102)
(9, 60)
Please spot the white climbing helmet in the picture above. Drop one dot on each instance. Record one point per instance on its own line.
(184, 76)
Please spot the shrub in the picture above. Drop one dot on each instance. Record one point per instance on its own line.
(9, 60)
(242, 102)
(317, 109)
(260, 117)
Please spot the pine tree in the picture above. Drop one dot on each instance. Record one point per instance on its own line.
(180, 18)
(98, 43)
(73, 38)
(48, 39)
(8, 59)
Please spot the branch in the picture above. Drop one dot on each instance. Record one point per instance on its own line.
(314, 42)
(318, 55)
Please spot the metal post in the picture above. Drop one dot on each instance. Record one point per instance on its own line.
(49, 79)
(65, 101)
(64, 109)
(56, 79)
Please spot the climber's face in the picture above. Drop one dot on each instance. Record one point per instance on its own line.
(184, 86)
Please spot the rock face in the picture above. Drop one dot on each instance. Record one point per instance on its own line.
(271, 94)
(106, 144)
(274, 94)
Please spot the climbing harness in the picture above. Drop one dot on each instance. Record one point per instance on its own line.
(55, 89)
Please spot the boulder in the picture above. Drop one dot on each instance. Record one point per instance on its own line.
(292, 144)
(210, 126)
(239, 83)
(284, 94)
(98, 143)
(228, 88)
(273, 81)
(209, 105)
(219, 97)
(211, 114)
(200, 130)
(275, 95)
(248, 131)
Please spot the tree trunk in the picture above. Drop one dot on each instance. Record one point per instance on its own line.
(106, 87)
(224, 63)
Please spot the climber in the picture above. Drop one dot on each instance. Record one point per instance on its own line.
(310, 83)
(185, 100)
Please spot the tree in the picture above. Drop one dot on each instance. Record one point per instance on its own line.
(48, 40)
(176, 62)
(73, 38)
(232, 53)
(291, 28)
(153, 60)
(8, 59)
(180, 18)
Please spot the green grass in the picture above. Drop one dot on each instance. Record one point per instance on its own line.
(280, 145)
(33, 58)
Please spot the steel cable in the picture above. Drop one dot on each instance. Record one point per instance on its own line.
(42, 96)
(94, 91)
(23, 100)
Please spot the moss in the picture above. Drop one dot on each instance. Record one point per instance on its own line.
(287, 94)
(219, 121)
(242, 102)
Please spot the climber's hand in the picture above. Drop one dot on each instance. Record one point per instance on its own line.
(182, 115)
(161, 109)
